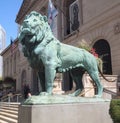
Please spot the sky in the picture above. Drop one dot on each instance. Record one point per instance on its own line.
(8, 12)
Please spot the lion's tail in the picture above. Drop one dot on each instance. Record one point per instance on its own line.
(104, 76)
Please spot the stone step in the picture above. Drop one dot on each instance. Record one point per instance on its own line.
(9, 108)
(9, 111)
(8, 119)
(8, 115)
(2, 121)
(9, 104)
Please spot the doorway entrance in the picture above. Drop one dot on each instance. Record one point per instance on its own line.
(102, 48)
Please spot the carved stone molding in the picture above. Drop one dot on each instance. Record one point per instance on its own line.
(117, 28)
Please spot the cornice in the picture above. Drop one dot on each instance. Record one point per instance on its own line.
(22, 9)
(9, 47)
(26, 7)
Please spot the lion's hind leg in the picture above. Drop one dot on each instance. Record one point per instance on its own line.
(77, 75)
(95, 77)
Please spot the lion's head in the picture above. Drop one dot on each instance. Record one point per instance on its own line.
(33, 28)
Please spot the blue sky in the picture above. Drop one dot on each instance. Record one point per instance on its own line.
(8, 12)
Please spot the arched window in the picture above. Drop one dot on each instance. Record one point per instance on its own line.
(7, 66)
(103, 50)
(15, 63)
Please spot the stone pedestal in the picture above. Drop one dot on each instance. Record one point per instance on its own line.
(83, 112)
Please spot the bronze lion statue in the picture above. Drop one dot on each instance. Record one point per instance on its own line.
(49, 56)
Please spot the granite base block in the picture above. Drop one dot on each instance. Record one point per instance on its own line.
(91, 112)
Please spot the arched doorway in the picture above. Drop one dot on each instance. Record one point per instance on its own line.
(102, 48)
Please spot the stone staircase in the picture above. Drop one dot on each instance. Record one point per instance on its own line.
(9, 112)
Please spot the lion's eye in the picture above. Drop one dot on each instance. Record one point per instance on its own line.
(34, 20)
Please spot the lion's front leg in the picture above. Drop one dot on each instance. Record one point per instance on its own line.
(50, 72)
(41, 75)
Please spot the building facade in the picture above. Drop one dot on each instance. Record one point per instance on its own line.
(91, 21)
(99, 26)
(79, 20)
(15, 65)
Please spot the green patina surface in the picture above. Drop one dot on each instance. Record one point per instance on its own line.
(48, 55)
(60, 99)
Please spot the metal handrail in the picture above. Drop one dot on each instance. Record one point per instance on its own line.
(104, 90)
(4, 98)
(10, 97)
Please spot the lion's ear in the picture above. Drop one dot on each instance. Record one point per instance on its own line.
(45, 18)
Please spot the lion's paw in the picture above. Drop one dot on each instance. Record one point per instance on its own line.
(97, 96)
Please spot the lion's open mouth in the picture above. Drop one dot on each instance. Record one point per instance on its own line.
(25, 31)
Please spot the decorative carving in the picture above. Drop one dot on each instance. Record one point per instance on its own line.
(117, 28)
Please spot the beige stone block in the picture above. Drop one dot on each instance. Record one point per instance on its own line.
(91, 112)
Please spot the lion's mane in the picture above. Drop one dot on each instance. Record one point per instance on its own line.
(35, 33)
(36, 27)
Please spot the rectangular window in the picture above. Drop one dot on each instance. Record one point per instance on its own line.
(74, 12)
(72, 16)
